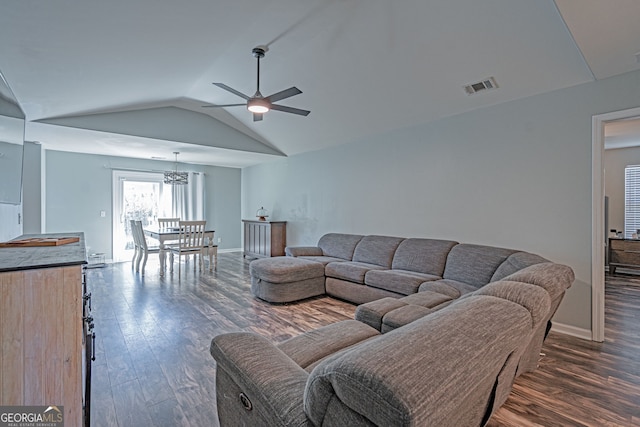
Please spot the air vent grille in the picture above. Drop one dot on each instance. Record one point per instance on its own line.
(480, 86)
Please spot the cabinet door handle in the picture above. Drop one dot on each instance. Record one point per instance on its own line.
(87, 297)
(93, 346)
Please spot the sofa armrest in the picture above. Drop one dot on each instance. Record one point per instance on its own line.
(303, 251)
(256, 383)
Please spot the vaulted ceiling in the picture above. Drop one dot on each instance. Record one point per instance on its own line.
(130, 77)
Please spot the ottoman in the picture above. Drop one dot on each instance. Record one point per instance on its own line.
(286, 279)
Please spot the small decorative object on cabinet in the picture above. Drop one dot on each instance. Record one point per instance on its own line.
(624, 253)
(264, 238)
(262, 214)
(46, 328)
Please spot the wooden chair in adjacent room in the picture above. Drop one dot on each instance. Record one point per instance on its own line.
(142, 248)
(190, 242)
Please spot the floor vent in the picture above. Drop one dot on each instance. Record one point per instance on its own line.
(486, 84)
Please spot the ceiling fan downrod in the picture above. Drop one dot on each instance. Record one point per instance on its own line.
(258, 52)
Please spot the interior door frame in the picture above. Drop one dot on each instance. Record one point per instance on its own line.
(597, 217)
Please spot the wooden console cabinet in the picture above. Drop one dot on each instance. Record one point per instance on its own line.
(264, 238)
(44, 331)
(624, 253)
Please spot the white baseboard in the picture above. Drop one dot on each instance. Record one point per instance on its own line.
(573, 331)
(229, 250)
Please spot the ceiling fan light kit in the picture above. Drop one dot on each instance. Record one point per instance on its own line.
(258, 104)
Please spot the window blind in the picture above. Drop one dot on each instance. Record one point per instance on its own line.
(631, 200)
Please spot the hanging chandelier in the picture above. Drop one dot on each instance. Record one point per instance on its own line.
(174, 177)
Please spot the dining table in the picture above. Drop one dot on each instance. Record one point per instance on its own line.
(164, 235)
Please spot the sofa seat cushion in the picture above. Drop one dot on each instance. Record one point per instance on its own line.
(380, 314)
(323, 259)
(311, 347)
(403, 316)
(451, 288)
(427, 299)
(349, 270)
(401, 281)
(285, 269)
(372, 312)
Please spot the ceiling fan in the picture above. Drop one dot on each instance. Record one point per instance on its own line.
(259, 104)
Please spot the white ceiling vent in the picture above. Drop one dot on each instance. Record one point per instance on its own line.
(485, 84)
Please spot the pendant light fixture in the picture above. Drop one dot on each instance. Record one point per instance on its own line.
(174, 177)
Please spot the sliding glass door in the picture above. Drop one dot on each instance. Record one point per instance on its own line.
(138, 196)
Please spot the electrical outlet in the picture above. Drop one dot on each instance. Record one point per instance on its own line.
(219, 239)
(103, 214)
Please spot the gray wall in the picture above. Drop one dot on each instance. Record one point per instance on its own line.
(32, 188)
(614, 163)
(515, 175)
(10, 222)
(79, 186)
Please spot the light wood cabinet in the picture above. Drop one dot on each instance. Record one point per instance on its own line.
(264, 238)
(624, 253)
(43, 336)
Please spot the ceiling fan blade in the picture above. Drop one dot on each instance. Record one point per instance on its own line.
(257, 117)
(287, 93)
(226, 105)
(290, 110)
(232, 90)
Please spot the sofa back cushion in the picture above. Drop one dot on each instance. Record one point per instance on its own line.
(427, 256)
(554, 278)
(378, 250)
(474, 264)
(516, 262)
(339, 245)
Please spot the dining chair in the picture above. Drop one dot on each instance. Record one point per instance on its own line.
(190, 242)
(142, 248)
(164, 223)
(168, 223)
(137, 248)
(211, 250)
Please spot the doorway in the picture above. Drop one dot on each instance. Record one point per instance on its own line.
(597, 222)
(139, 196)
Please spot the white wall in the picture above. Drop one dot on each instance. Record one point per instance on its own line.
(614, 163)
(515, 175)
(78, 187)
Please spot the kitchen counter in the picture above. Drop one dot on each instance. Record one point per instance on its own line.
(27, 258)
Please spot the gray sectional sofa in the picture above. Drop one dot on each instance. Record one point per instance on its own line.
(441, 332)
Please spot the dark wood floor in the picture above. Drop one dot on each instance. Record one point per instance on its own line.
(153, 366)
